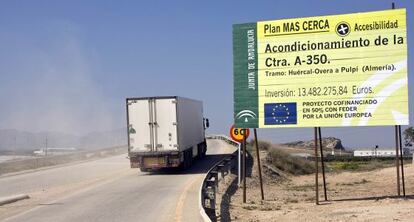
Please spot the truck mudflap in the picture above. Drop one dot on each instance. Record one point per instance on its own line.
(155, 160)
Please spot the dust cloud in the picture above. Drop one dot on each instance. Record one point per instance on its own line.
(50, 82)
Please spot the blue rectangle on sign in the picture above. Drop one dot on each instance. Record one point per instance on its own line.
(280, 113)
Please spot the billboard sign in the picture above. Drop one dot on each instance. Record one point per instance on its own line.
(336, 70)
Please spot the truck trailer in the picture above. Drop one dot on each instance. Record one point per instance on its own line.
(165, 132)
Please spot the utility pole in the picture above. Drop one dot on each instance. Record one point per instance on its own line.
(46, 147)
(14, 148)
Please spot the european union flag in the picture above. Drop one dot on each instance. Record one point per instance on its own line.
(280, 113)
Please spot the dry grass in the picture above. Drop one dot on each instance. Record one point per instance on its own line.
(278, 158)
(263, 145)
(357, 190)
(369, 165)
(363, 181)
(288, 163)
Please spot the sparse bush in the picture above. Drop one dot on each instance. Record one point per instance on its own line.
(266, 208)
(304, 187)
(288, 163)
(366, 165)
(310, 199)
(363, 181)
(250, 207)
(291, 200)
(345, 166)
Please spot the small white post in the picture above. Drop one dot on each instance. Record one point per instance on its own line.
(239, 167)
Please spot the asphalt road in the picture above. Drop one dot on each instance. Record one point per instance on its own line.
(108, 190)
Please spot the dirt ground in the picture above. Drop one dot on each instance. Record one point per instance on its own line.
(352, 196)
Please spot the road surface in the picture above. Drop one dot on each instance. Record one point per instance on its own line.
(108, 190)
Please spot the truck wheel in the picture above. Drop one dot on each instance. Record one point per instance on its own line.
(203, 149)
(204, 152)
(191, 157)
(185, 164)
(188, 158)
(199, 151)
(190, 162)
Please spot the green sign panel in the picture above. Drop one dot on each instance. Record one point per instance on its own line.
(245, 75)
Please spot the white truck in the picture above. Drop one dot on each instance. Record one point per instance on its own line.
(165, 132)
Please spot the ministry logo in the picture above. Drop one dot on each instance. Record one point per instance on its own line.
(280, 113)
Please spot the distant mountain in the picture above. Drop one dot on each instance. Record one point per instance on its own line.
(98, 140)
(11, 139)
(327, 142)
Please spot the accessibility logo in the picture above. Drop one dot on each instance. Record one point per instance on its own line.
(343, 29)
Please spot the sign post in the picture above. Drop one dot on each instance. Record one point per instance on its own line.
(238, 135)
(323, 164)
(259, 166)
(402, 160)
(244, 170)
(316, 167)
(397, 167)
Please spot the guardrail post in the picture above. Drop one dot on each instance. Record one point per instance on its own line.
(214, 174)
(211, 197)
(220, 168)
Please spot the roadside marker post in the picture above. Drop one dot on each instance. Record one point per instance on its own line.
(239, 165)
(244, 170)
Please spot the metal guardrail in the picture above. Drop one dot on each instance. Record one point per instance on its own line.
(224, 138)
(209, 187)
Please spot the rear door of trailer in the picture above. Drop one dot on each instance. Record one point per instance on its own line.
(152, 124)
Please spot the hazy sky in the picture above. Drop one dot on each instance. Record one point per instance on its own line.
(69, 65)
